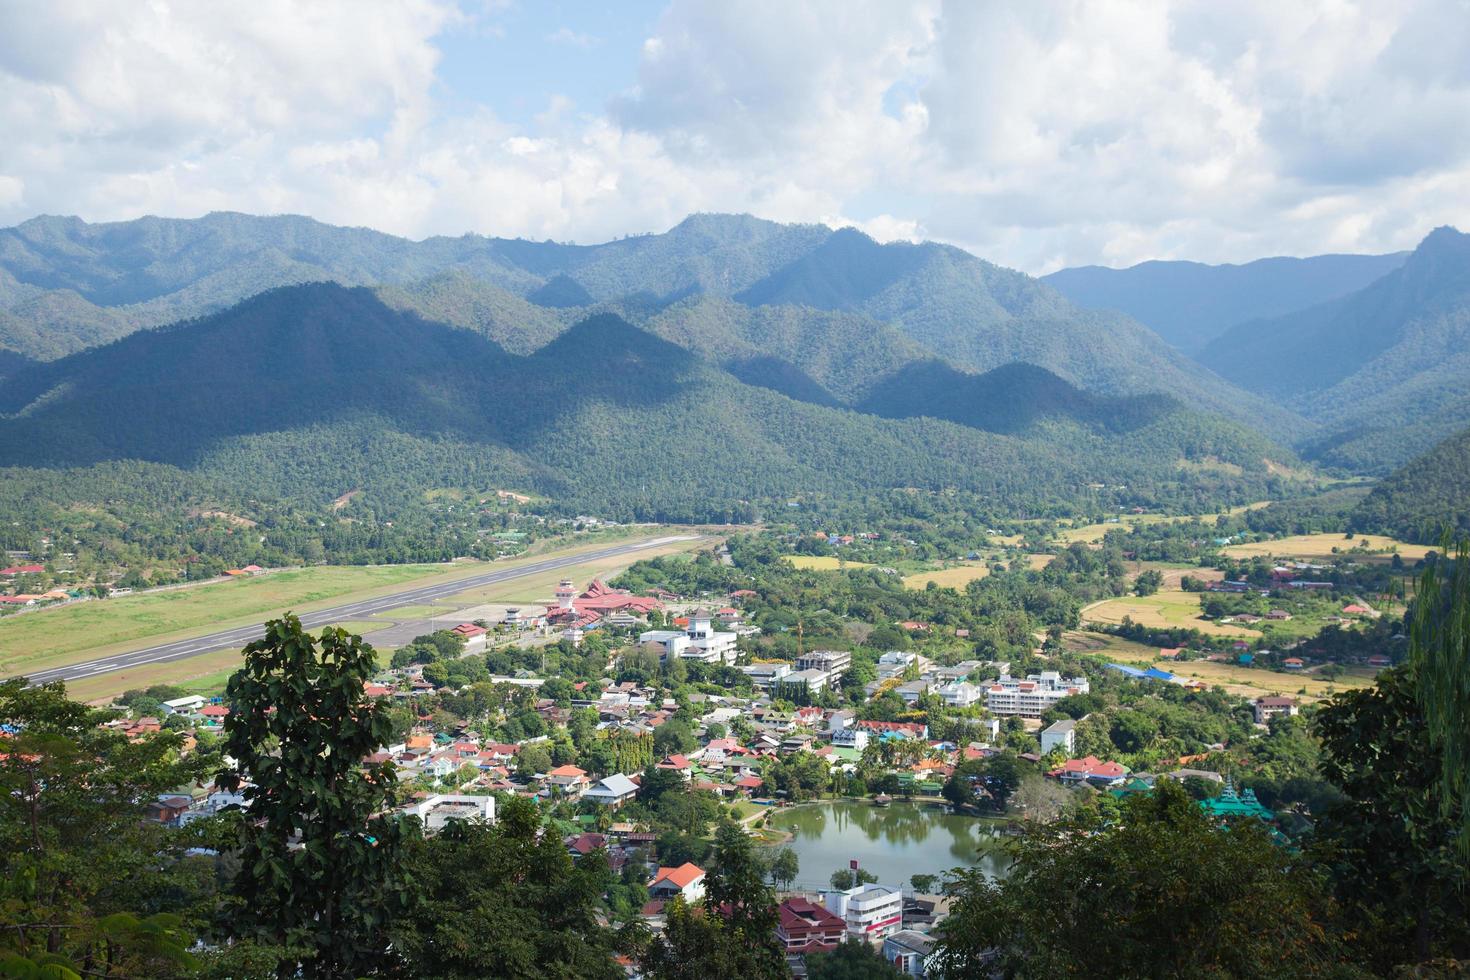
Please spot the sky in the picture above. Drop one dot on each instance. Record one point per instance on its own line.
(1035, 134)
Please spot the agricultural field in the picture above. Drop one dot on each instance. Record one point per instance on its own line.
(1250, 682)
(1164, 610)
(955, 577)
(824, 563)
(1364, 547)
(1094, 533)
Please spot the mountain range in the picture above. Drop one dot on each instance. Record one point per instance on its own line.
(1190, 304)
(114, 342)
(309, 391)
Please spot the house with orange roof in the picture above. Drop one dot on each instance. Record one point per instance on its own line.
(686, 881)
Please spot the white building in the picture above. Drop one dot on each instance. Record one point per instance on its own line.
(1060, 734)
(870, 911)
(764, 675)
(614, 791)
(184, 705)
(1030, 697)
(850, 738)
(436, 811)
(960, 694)
(811, 680)
(699, 642)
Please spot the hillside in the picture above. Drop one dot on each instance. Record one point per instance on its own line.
(66, 285)
(1426, 496)
(1381, 370)
(1189, 304)
(306, 392)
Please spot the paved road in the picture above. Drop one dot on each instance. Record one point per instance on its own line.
(235, 638)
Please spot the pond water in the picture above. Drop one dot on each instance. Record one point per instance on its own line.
(893, 842)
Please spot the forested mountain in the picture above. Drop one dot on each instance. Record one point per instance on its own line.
(722, 285)
(1382, 370)
(1428, 495)
(307, 392)
(1189, 304)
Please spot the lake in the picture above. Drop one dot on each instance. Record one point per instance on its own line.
(893, 842)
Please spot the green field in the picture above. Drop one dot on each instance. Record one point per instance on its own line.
(50, 637)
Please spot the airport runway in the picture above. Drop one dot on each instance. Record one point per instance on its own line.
(233, 639)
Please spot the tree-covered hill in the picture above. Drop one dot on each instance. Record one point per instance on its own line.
(1189, 304)
(1424, 497)
(1381, 370)
(308, 392)
(722, 285)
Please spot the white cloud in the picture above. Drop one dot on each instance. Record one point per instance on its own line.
(1034, 134)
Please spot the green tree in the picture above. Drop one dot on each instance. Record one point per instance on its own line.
(845, 878)
(785, 866)
(77, 855)
(1163, 892)
(1391, 843)
(1148, 581)
(504, 901)
(851, 960)
(1439, 646)
(319, 867)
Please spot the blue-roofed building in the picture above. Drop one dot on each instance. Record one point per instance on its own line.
(1132, 672)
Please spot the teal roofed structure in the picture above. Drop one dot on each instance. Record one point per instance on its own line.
(1232, 804)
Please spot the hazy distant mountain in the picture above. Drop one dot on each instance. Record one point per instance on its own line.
(726, 286)
(309, 391)
(1189, 304)
(1383, 370)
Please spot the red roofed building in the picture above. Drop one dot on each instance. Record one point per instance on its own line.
(686, 880)
(1355, 610)
(901, 729)
(1092, 770)
(599, 600)
(23, 570)
(472, 635)
(805, 927)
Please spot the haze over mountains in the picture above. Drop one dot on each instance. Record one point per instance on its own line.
(1190, 304)
(801, 356)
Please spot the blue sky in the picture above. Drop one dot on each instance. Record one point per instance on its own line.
(1034, 134)
(515, 58)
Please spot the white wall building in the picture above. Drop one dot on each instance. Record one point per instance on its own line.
(1030, 697)
(436, 811)
(870, 911)
(699, 642)
(1060, 734)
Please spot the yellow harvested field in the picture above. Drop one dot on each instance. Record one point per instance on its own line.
(956, 577)
(1094, 533)
(1254, 682)
(1174, 576)
(824, 563)
(1365, 547)
(1038, 562)
(1248, 682)
(1008, 540)
(1165, 610)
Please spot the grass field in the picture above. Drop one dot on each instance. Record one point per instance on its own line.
(1309, 546)
(75, 632)
(1094, 533)
(84, 631)
(949, 578)
(1164, 610)
(824, 563)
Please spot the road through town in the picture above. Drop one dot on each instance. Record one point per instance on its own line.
(233, 639)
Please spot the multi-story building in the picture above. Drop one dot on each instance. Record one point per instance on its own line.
(1271, 707)
(762, 676)
(699, 641)
(870, 911)
(1060, 734)
(833, 663)
(805, 927)
(1030, 697)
